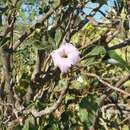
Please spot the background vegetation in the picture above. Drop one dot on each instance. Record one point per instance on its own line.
(93, 95)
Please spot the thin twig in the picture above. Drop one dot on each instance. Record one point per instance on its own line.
(120, 45)
(39, 22)
(122, 80)
(108, 85)
(51, 109)
(117, 85)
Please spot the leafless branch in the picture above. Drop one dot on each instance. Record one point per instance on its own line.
(51, 109)
(6, 69)
(120, 45)
(10, 22)
(122, 80)
(40, 56)
(108, 85)
(39, 22)
(63, 38)
(117, 85)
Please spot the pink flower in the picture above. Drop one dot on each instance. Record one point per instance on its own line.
(65, 57)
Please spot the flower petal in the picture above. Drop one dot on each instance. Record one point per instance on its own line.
(73, 56)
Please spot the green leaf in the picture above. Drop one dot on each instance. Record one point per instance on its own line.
(93, 54)
(97, 51)
(125, 127)
(87, 109)
(18, 127)
(58, 36)
(112, 54)
(3, 8)
(26, 125)
(89, 103)
(41, 45)
(52, 33)
(29, 124)
(127, 83)
(83, 115)
(69, 97)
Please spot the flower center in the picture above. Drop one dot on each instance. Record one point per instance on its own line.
(64, 56)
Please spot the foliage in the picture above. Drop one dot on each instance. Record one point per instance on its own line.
(35, 95)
